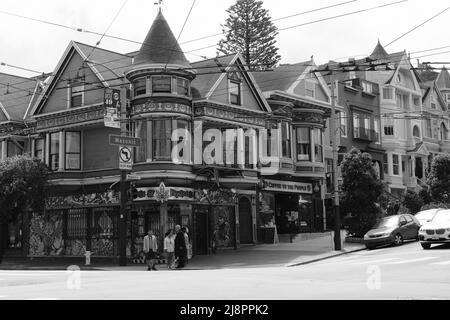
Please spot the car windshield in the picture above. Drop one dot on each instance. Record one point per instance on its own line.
(387, 222)
(442, 217)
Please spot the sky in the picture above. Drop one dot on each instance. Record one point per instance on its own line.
(39, 46)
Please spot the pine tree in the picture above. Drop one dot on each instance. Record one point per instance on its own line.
(250, 31)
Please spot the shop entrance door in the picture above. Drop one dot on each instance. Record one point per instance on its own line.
(200, 245)
(245, 221)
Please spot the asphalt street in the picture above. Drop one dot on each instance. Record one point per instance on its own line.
(405, 272)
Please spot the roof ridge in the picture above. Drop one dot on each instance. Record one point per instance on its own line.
(97, 48)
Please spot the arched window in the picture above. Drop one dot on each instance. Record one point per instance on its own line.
(444, 132)
(416, 132)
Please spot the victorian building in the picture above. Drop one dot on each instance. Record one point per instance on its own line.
(216, 154)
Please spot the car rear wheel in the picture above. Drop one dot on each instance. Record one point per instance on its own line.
(426, 246)
(398, 239)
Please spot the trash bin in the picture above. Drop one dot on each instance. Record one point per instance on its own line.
(88, 258)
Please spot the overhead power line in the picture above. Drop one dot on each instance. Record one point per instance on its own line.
(420, 25)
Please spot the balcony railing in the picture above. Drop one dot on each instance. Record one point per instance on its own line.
(365, 134)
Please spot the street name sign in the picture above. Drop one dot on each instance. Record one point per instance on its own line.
(125, 158)
(115, 140)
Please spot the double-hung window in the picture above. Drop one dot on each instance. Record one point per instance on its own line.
(343, 123)
(395, 164)
(303, 144)
(235, 93)
(76, 96)
(73, 150)
(286, 139)
(39, 148)
(140, 87)
(54, 151)
(318, 145)
(182, 87)
(161, 84)
(162, 139)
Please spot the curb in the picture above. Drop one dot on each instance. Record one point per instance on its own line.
(324, 258)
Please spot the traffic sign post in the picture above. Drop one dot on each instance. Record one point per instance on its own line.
(125, 158)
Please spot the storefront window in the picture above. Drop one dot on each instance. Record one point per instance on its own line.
(318, 145)
(286, 139)
(303, 144)
(73, 151)
(54, 151)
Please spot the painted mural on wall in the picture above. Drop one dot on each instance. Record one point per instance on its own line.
(46, 235)
(223, 226)
(80, 200)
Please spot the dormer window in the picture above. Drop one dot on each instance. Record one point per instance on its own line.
(76, 96)
(140, 87)
(235, 92)
(161, 84)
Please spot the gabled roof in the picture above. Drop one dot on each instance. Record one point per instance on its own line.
(211, 72)
(208, 73)
(282, 77)
(161, 46)
(108, 66)
(16, 94)
(443, 79)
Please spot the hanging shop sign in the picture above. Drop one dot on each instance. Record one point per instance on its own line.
(287, 186)
(112, 108)
(163, 194)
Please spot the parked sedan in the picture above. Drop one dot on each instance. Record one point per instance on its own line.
(392, 230)
(426, 216)
(437, 231)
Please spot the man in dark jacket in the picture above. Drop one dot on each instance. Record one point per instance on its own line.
(180, 247)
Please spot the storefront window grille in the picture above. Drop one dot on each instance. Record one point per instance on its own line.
(76, 223)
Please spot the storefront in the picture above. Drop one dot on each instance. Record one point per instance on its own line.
(287, 206)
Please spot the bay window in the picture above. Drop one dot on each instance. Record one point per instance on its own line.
(73, 150)
(286, 140)
(318, 145)
(39, 148)
(140, 87)
(161, 84)
(54, 151)
(303, 144)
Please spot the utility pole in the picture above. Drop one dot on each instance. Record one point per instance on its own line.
(123, 185)
(333, 129)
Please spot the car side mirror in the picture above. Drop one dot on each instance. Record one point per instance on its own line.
(402, 223)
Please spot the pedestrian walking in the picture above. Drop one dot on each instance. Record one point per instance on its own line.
(150, 250)
(188, 244)
(169, 248)
(180, 247)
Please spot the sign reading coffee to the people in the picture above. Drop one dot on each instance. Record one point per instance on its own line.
(163, 194)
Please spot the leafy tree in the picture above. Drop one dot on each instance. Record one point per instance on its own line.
(361, 189)
(249, 30)
(438, 179)
(23, 186)
(412, 201)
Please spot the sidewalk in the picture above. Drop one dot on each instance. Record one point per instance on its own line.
(259, 256)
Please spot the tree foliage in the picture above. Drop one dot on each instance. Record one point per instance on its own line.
(438, 179)
(249, 30)
(413, 201)
(361, 189)
(23, 185)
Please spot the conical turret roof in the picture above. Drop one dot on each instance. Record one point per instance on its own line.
(161, 46)
(379, 52)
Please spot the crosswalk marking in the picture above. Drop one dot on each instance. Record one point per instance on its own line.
(411, 261)
(442, 263)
